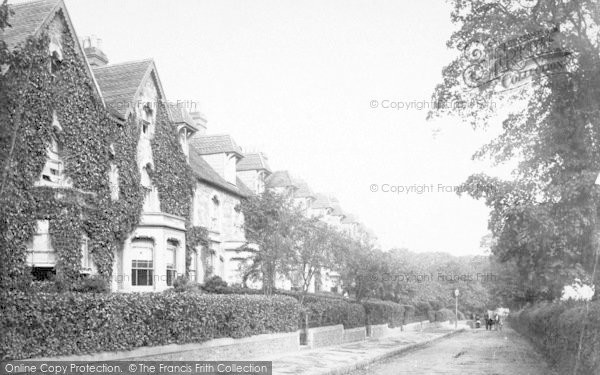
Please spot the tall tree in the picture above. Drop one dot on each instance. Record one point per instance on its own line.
(273, 223)
(545, 219)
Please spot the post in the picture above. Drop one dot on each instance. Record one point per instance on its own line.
(456, 309)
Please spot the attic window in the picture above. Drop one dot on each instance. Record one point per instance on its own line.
(145, 126)
(215, 199)
(148, 109)
(55, 62)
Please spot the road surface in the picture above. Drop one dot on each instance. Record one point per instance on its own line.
(475, 351)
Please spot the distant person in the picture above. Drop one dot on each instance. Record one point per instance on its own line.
(498, 321)
(489, 322)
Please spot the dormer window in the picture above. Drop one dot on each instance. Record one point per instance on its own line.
(183, 140)
(53, 171)
(148, 109)
(145, 127)
(55, 62)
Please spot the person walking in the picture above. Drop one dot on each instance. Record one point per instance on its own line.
(498, 320)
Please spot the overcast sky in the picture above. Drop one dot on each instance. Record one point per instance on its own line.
(298, 80)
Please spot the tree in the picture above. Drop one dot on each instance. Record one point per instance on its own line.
(545, 219)
(273, 223)
(313, 251)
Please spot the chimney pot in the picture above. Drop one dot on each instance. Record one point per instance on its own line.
(93, 51)
(200, 121)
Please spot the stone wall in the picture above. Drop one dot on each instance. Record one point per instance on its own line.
(354, 334)
(325, 336)
(213, 350)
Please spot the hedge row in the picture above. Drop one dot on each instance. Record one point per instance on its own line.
(382, 312)
(44, 324)
(329, 311)
(556, 328)
(444, 315)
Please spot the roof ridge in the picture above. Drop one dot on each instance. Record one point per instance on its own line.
(149, 60)
(30, 2)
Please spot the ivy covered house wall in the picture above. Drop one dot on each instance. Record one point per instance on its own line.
(59, 150)
(155, 253)
(94, 177)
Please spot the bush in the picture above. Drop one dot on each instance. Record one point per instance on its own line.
(182, 284)
(214, 285)
(444, 315)
(556, 329)
(92, 284)
(461, 316)
(409, 313)
(42, 324)
(382, 312)
(423, 307)
(431, 316)
(329, 311)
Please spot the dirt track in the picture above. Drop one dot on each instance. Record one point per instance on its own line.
(472, 352)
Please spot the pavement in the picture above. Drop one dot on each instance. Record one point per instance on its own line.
(343, 359)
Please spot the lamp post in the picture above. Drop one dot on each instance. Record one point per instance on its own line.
(455, 308)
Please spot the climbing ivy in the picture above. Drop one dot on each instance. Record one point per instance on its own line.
(29, 92)
(175, 180)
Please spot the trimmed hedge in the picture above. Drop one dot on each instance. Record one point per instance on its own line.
(556, 329)
(444, 315)
(381, 312)
(44, 324)
(328, 311)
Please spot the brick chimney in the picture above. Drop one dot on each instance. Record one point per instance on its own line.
(200, 121)
(92, 46)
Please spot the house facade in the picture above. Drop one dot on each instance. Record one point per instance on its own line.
(153, 255)
(88, 182)
(217, 206)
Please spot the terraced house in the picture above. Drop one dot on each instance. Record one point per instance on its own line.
(120, 182)
(104, 200)
(217, 205)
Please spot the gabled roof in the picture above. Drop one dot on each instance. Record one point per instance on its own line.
(322, 201)
(205, 173)
(253, 162)
(328, 201)
(215, 144)
(28, 20)
(243, 188)
(180, 116)
(31, 18)
(121, 83)
(350, 219)
(302, 189)
(280, 179)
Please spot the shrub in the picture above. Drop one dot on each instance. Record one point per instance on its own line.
(435, 305)
(556, 329)
(92, 284)
(461, 316)
(182, 284)
(431, 315)
(214, 285)
(42, 324)
(382, 312)
(409, 313)
(423, 307)
(443, 315)
(329, 311)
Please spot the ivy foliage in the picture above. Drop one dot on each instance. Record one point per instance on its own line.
(30, 92)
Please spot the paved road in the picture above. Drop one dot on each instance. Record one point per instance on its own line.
(471, 352)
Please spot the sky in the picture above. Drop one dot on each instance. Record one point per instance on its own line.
(314, 85)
